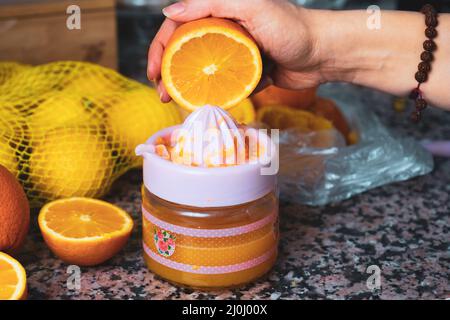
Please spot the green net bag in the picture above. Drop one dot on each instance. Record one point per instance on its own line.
(70, 128)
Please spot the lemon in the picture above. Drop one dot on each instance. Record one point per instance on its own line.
(7, 152)
(90, 84)
(137, 115)
(98, 80)
(8, 69)
(32, 83)
(7, 156)
(71, 161)
(57, 110)
(244, 112)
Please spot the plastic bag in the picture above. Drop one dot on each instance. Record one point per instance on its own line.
(317, 168)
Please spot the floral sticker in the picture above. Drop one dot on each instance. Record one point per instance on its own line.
(164, 242)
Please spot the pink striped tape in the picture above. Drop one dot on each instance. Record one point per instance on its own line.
(209, 269)
(209, 233)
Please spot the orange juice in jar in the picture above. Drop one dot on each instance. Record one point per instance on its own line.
(210, 216)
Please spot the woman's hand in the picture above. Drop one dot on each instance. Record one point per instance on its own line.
(309, 47)
(281, 29)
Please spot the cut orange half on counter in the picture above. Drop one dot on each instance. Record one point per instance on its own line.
(210, 61)
(84, 231)
(13, 279)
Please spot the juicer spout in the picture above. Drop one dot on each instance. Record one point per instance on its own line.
(144, 149)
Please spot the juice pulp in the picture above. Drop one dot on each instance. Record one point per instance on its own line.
(210, 247)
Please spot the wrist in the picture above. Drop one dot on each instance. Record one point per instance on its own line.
(351, 52)
(335, 43)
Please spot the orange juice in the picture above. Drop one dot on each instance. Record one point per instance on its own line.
(238, 243)
(204, 225)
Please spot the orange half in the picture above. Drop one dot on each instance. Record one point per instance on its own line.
(210, 61)
(84, 231)
(284, 117)
(13, 279)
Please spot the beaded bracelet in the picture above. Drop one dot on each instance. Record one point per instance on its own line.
(424, 67)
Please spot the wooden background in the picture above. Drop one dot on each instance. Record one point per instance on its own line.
(35, 32)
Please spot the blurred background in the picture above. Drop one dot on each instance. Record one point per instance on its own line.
(114, 33)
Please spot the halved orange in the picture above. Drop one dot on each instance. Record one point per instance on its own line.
(272, 95)
(329, 110)
(210, 61)
(13, 279)
(283, 117)
(84, 231)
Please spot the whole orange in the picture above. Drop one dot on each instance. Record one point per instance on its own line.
(14, 213)
(273, 95)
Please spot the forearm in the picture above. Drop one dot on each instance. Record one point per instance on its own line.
(384, 59)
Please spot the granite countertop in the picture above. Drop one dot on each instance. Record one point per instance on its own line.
(324, 251)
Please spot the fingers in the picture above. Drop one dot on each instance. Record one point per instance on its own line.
(163, 95)
(266, 77)
(184, 11)
(157, 47)
(188, 10)
(155, 54)
(289, 79)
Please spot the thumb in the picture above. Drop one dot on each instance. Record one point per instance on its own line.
(187, 10)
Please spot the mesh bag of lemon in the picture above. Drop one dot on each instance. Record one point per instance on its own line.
(70, 128)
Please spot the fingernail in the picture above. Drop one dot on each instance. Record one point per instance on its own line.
(148, 75)
(160, 92)
(152, 79)
(150, 68)
(173, 10)
(158, 87)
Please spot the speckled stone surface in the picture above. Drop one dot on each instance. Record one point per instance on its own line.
(403, 228)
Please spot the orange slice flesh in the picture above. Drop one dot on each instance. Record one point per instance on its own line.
(210, 61)
(84, 231)
(88, 219)
(12, 278)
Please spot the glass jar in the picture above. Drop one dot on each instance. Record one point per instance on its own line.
(207, 228)
(211, 247)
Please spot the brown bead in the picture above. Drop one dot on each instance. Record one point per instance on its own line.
(421, 76)
(430, 33)
(429, 45)
(415, 116)
(421, 104)
(431, 20)
(414, 94)
(424, 66)
(426, 56)
(428, 8)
